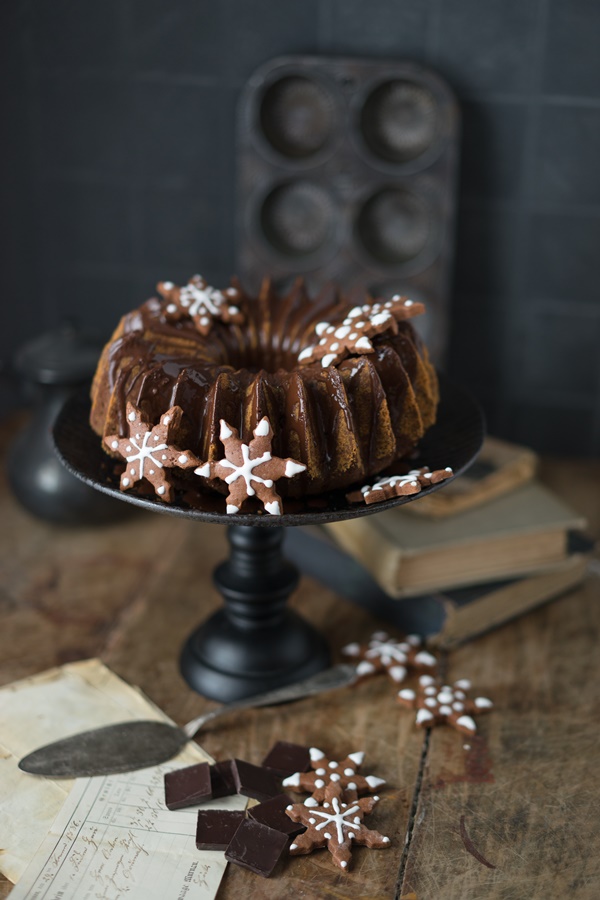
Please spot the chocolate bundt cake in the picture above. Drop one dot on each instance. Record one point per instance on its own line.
(347, 389)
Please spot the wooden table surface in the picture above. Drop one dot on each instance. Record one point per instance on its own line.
(516, 816)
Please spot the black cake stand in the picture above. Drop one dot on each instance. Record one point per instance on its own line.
(255, 643)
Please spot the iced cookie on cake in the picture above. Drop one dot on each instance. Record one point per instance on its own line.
(347, 389)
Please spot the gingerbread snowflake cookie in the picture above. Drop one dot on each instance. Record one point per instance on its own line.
(353, 335)
(336, 824)
(250, 469)
(399, 485)
(149, 450)
(437, 704)
(397, 658)
(200, 302)
(329, 771)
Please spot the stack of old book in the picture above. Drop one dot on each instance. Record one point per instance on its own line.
(489, 546)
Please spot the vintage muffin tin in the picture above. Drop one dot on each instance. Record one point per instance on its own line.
(347, 172)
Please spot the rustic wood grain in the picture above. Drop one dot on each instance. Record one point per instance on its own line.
(578, 481)
(131, 593)
(527, 791)
(340, 722)
(64, 591)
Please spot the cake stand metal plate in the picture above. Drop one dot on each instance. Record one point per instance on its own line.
(254, 643)
(454, 441)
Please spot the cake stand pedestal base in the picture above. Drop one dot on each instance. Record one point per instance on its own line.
(254, 643)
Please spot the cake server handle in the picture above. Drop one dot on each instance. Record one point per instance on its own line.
(337, 676)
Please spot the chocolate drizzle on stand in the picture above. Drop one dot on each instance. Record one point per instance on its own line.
(258, 581)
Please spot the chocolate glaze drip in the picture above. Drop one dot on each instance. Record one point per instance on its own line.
(346, 422)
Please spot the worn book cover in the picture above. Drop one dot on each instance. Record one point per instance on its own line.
(500, 467)
(522, 532)
(446, 617)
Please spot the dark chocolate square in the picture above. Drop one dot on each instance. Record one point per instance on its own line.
(187, 787)
(256, 847)
(254, 781)
(285, 758)
(216, 827)
(222, 780)
(272, 813)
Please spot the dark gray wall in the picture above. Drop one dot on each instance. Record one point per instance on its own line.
(118, 170)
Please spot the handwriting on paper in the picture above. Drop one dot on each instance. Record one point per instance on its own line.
(116, 839)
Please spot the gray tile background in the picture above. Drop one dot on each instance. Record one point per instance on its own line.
(118, 169)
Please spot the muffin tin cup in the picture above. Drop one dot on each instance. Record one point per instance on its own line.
(398, 124)
(296, 220)
(291, 116)
(347, 173)
(396, 229)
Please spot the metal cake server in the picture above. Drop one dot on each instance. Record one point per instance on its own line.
(134, 745)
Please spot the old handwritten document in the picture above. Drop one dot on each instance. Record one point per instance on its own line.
(105, 838)
(114, 838)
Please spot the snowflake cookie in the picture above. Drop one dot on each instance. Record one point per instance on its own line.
(352, 335)
(201, 302)
(436, 703)
(383, 654)
(149, 450)
(325, 772)
(250, 469)
(399, 485)
(335, 824)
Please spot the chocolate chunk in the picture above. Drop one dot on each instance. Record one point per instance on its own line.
(285, 758)
(216, 827)
(253, 781)
(222, 780)
(187, 787)
(272, 813)
(256, 847)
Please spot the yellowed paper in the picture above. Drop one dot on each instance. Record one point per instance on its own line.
(44, 708)
(114, 838)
